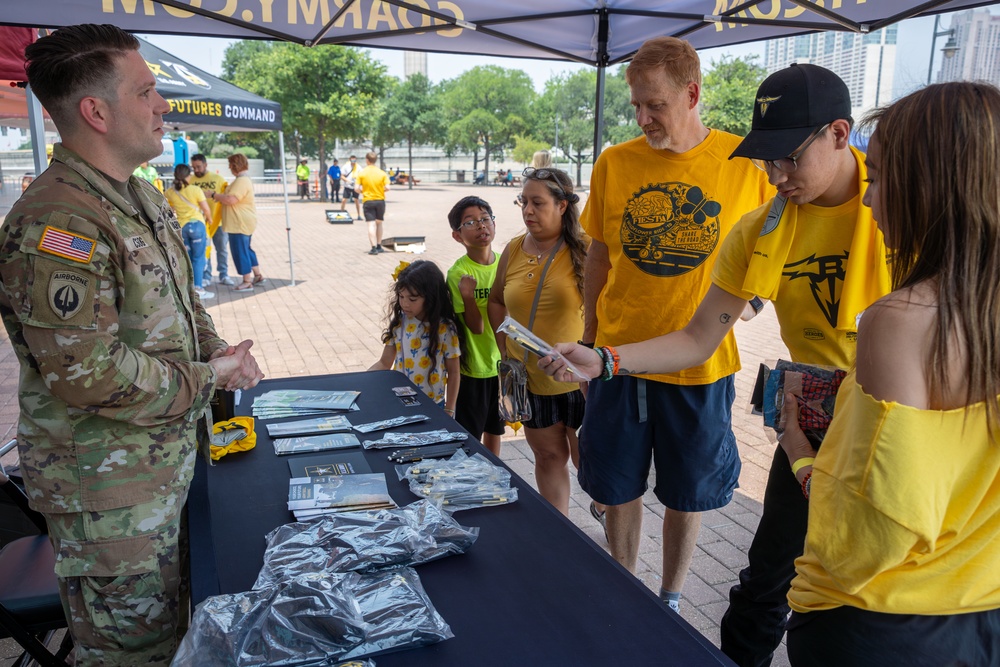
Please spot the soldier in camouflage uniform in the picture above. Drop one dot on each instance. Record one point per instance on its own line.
(118, 357)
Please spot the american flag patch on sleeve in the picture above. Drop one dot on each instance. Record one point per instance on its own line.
(67, 244)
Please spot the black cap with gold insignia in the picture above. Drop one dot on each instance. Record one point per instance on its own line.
(790, 105)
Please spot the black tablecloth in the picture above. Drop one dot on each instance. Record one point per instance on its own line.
(533, 589)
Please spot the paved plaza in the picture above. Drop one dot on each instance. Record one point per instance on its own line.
(330, 321)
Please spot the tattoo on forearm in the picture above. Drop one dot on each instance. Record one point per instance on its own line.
(626, 371)
(725, 317)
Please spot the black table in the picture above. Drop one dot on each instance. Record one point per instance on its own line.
(532, 590)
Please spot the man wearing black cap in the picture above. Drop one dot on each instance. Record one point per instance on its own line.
(814, 251)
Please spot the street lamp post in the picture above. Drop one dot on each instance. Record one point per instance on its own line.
(949, 49)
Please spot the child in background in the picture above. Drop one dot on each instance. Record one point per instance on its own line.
(421, 339)
(469, 280)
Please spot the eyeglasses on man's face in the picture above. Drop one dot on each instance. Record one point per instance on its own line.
(474, 223)
(790, 163)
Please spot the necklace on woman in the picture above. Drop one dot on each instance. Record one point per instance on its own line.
(541, 251)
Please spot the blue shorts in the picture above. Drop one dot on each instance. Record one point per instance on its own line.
(685, 430)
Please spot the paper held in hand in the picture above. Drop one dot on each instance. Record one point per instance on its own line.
(520, 334)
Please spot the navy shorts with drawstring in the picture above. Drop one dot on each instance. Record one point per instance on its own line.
(684, 430)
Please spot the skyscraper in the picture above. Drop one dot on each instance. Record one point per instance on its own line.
(414, 62)
(865, 62)
(977, 58)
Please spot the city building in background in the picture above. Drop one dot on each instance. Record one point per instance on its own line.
(414, 62)
(972, 52)
(866, 63)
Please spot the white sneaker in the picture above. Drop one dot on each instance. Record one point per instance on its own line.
(202, 294)
(226, 281)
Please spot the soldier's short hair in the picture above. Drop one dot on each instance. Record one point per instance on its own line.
(673, 56)
(76, 62)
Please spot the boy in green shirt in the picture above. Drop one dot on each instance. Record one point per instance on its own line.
(469, 280)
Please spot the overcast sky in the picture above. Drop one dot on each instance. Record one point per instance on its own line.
(913, 50)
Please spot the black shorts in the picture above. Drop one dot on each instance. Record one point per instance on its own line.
(861, 638)
(550, 410)
(375, 210)
(477, 408)
(350, 194)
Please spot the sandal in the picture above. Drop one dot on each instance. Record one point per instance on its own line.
(600, 516)
(243, 287)
(258, 279)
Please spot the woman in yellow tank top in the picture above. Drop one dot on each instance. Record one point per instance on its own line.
(902, 557)
(551, 216)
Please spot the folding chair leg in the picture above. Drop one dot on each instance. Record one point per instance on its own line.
(31, 645)
(65, 647)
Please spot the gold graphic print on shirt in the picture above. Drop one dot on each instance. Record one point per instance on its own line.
(669, 229)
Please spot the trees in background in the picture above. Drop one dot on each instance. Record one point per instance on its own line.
(487, 106)
(324, 91)
(490, 112)
(727, 93)
(412, 114)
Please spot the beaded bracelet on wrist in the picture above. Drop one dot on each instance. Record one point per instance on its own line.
(807, 484)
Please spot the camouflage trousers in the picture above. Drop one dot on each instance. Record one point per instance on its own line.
(121, 581)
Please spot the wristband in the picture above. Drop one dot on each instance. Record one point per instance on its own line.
(807, 485)
(802, 463)
(757, 304)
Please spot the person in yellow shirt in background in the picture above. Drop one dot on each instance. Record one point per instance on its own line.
(302, 178)
(188, 202)
(213, 182)
(372, 184)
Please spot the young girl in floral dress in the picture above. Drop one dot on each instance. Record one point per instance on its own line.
(421, 339)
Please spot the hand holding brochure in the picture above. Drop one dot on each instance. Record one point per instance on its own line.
(520, 334)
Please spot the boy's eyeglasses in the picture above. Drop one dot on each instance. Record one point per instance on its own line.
(790, 163)
(484, 221)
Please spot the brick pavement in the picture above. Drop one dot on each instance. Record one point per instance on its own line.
(330, 321)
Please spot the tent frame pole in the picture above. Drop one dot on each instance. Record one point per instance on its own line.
(36, 124)
(284, 193)
(602, 67)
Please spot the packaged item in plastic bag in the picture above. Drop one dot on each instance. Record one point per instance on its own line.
(309, 620)
(399, 612)
(364, 541)
(415, 439)
(461, 482)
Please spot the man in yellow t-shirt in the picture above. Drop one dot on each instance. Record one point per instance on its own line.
(371, 184)
(659, 208)
(212, 182)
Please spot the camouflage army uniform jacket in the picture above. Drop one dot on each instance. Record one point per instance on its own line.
(111, 339)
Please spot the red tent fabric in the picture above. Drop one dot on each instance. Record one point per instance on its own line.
(12, 43)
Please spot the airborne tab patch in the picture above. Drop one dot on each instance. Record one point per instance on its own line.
(67, 290)
(66, 244)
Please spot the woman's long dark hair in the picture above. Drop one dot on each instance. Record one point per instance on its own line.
(561, 186)
(941, 204)
(181, 173)
(425, 279)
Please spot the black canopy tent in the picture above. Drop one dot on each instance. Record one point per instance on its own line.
(200, 102)
(597, 32)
